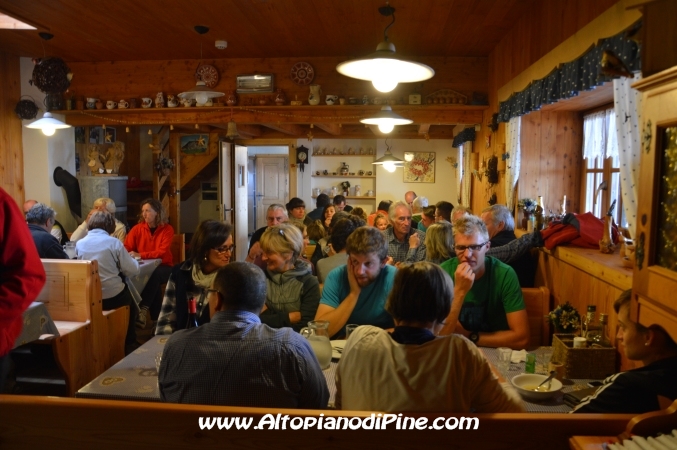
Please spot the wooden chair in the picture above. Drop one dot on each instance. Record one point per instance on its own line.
(537, 301)
(178, 248)
(310, 249)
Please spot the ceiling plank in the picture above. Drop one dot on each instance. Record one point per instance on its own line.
(424, 128)
(332, 128)
(249, 130)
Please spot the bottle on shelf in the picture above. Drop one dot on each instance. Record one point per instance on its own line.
(192, 313)
(603, 337)
(540, 214)
(589, 320)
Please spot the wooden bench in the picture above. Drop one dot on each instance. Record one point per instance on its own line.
(111, 424)
(91, 340)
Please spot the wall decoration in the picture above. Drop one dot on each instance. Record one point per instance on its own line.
(421, 169)
(302, 73)
(252, 84)
(79, 135)
(194, 144)
(101, 135)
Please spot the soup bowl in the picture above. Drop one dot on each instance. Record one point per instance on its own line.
(527, 382)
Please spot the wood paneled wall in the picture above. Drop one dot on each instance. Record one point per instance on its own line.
(124, 79)
(11, 147)
(548, 24)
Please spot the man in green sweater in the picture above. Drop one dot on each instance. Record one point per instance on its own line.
(488, 307)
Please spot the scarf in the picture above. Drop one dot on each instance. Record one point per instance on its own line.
(200, 278)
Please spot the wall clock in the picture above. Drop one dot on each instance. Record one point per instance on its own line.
(208, 74)
(302, 73)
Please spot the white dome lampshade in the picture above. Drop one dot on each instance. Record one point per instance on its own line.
(48, 124)
(201, 93)
(384, 68)
(389, 162)
(386, 120)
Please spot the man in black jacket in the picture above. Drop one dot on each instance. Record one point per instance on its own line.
(41, 219)
(58, 231)
(501, 227)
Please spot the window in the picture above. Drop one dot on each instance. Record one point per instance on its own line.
(601, 165)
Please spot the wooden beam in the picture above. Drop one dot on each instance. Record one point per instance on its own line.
(424, 128)
(332, 128)
(291, 129)
(420, 114)
(248, 130)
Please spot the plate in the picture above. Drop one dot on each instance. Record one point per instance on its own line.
(302, 73)
(208, 74)
(339, 343)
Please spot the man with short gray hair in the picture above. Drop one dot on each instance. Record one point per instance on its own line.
(101, 204)
(500, 226)
(275, 215)
(41, 219)
(405, 243)
(58, 231)
(417, 209)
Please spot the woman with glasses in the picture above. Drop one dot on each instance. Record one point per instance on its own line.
(210, 249)
(293, 293)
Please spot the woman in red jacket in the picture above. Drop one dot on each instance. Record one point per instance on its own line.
(151, 238)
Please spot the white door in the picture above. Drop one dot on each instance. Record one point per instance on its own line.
(272, 184)
(233, 194)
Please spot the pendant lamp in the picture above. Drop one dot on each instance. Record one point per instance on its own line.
(388, 161)
(384, 68)
(386, 120)
(48, 124)
(201, 92)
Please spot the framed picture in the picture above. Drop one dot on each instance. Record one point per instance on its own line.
(97, 135)
(79, 135)
(252, 84)
(194, 144)
(419, 167)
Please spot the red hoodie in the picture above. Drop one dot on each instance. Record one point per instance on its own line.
(157, 245)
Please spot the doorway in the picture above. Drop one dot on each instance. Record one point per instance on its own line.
(268, 177)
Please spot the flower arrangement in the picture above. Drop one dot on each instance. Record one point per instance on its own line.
(565, 318)
(505, 156)
(345, 185)
(164, 164)
(527, 204)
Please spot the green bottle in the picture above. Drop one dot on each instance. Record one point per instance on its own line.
(530, 366)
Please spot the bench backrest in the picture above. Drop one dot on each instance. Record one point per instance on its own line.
(72, 291)
(537, 301)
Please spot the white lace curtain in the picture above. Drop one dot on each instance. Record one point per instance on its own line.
(599, 139)
(512, 147)
(628, 107)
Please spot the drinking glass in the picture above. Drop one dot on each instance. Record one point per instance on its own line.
(350, 328)
(69, 248)
(504, 355)
(544, 356)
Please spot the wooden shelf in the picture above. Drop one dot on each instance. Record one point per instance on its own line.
(364, 197)
(343, 156)
(344, 176)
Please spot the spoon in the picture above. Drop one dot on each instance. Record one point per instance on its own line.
(547, 380)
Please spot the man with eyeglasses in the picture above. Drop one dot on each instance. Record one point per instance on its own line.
(275, 215)
(405, 243)
(488, 306)
(235, 360)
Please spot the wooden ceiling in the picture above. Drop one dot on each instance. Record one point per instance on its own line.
(126, 30)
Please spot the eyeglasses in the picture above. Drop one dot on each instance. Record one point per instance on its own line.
(223, 249)
(461, 248)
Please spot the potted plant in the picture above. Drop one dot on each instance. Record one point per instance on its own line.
(164, 165)
(565, 318)
(528, 206)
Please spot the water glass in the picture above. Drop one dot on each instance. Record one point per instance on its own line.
(350, 328)
(69, 248)
(504, 355)
(158, 361)
(544, 357)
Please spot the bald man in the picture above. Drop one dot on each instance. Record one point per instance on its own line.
(409, 197)
(58, 231)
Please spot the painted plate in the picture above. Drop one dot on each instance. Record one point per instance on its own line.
(208, 74)
(302, 73)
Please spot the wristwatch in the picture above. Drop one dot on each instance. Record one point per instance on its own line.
(474, 337)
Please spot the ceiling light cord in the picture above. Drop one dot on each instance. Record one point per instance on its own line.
(385, 32)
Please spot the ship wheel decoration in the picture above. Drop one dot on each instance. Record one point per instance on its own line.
(208, 74)
(302, 73)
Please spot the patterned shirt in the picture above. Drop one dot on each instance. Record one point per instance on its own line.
(400, 251)
(235, 360)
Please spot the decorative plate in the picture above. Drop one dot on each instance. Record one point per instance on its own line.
(302, 73)
(208, 74)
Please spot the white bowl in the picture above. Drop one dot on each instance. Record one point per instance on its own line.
(526, 382)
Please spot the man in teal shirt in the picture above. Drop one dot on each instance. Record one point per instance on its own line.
(357, 292)
(488, 307)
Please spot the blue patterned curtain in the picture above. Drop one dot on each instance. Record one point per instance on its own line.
(464, 136)
(570, 78)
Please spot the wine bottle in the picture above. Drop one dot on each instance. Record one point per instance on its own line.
(589, 320)
(192, 313)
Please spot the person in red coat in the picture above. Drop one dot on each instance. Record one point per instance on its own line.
(151, 238)
(21, 276)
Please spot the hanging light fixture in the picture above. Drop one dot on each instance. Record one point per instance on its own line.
(48, 124)
(386, 120)
(201, 92)
(388, 161)
(383, 67)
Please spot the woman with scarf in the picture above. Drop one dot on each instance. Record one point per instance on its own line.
(210, 250)
(293, 293)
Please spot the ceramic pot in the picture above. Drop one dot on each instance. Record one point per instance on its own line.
(231, 99)
(280, 98)
(315, 93)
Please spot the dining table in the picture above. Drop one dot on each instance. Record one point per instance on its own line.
(36, 323)
(135, 376)
(555, 404)
(137, 282)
